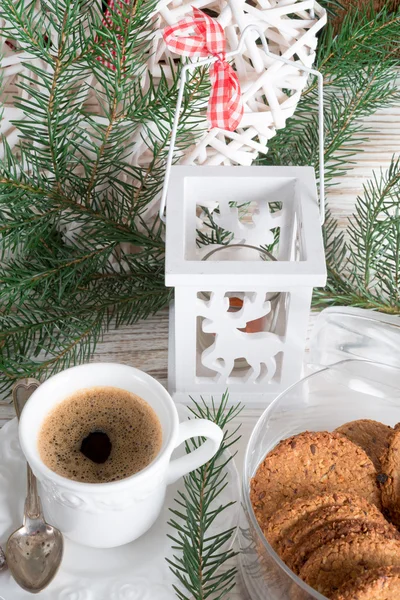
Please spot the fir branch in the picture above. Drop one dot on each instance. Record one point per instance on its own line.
(77, 251)
(364, 266)
(359, 78)
(201, 565)
(331, 6)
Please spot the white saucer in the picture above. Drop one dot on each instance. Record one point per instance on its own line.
(137, 571)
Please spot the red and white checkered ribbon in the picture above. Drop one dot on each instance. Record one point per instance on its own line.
(225, 107)
(108, 22)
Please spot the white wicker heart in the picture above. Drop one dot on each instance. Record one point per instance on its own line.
(271, 90)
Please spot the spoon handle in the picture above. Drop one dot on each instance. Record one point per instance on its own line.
(21, 392)
(33, 507)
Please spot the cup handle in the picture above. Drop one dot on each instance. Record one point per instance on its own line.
(189, 429)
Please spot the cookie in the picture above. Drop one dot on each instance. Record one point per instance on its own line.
(280, 525)
(335, 563)
(357, 508)
(296, 556)
(389, 479)
(377, 584)
(311, 463)
(371, 436)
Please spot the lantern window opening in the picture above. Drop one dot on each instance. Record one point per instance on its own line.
(240, 336)
(242, 210)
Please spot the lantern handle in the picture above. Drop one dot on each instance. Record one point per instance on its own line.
(208, 61)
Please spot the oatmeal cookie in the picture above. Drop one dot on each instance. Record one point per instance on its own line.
(352, 507)
(279, 526)
(371, 436)
(378, 584)
(311, 463)
(389, 479)
(298, 555)
(332, 565)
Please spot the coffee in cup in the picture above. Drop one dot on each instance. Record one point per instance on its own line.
(100, 434)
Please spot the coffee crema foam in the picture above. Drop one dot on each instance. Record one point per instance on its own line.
(131, 425)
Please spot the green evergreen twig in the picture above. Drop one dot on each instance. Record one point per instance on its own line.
(77, 250)
(364, 265)
(200, 562)
(358, 64)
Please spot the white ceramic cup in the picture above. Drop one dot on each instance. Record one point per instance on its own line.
(104, 515)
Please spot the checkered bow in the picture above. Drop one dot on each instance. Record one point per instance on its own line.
(225, 107)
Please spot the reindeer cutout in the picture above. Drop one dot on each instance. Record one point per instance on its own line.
(257, 231)
(257, 348)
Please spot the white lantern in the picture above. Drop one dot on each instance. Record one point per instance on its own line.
(243, 287)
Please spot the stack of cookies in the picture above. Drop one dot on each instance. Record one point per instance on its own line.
(329, 505)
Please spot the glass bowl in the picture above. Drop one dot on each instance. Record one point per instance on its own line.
(348, 390)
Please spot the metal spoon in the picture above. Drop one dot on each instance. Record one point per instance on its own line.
(34, 551)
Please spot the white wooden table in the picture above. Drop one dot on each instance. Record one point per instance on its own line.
(144, 344)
